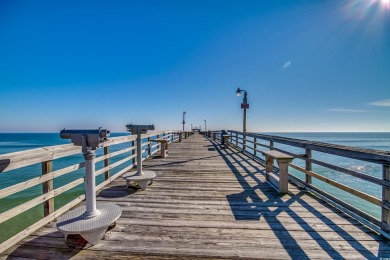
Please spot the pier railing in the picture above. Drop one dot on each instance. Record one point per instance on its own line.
(306, 162)
(47, 156)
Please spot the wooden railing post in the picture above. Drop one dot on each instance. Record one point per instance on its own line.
(269, 164)
(385, 221)
(149, 147)
(236, 139)
(254, 146)
(48, 206)
(106, 163)
(308, 165)
(271, 144)
(244, 141)
(226, 141)
(133, 152)
(180, 137)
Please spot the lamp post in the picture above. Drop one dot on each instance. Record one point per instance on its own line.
(205, 128)
(244, 105)
(184, 122)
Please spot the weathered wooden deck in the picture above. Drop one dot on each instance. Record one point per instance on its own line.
(210, 202)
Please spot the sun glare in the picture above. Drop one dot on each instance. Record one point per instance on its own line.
(386, 4)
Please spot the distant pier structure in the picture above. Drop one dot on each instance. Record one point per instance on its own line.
(196, 129)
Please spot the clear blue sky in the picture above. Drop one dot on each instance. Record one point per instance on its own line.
(307, 65)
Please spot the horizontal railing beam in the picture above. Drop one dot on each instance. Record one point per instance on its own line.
(341, 186)
(369, 155)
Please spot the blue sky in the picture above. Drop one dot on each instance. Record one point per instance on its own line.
(306, 65)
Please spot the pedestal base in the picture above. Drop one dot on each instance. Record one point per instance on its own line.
(141, 179)
(92, 229)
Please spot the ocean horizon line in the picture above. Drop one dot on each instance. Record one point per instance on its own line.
(259, 132)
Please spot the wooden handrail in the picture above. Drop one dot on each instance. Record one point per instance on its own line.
(368, 155)
(46, 156)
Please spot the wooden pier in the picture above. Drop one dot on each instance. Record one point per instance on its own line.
(207, 201)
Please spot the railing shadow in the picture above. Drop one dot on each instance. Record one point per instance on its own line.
(253, 208)
(55, 247)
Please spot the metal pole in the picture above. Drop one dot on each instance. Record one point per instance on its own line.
(245, 102)
(205, 128)
(244, 124)
(90, 188)
(184, 122)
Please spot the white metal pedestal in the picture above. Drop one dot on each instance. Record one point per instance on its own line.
(92, 229)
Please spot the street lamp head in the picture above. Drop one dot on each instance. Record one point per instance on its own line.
(238, 92)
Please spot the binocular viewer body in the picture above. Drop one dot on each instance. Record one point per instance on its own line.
(142, 129)
(86, 138)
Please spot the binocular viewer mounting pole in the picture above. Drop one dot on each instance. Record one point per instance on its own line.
(89, 140)
(138, 130)
(89, 221)
(141, 177)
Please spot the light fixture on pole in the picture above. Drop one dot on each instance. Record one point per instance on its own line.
(244, 105)
(184, 122)
(205, 128)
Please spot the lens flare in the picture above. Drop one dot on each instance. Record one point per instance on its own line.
(386, 4)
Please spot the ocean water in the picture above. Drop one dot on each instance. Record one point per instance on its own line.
(377, 141)
(10, 143)
(18, 142)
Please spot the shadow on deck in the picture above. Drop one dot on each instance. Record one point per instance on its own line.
(211, 202)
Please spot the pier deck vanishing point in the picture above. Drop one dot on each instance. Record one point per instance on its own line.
(210, 202)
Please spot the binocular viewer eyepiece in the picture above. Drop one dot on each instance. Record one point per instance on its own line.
(86, 138)
(142, 129)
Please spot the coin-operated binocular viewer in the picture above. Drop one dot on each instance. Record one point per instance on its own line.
(89, 221)
(142, 178)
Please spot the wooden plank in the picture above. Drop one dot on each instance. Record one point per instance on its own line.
(113, 165)
(212, 203)
(38, 180)
(17, 160)
(369, 155)
(359, 175)
(38, 200)
(343, 187)
(110, 155)
(16, 238)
